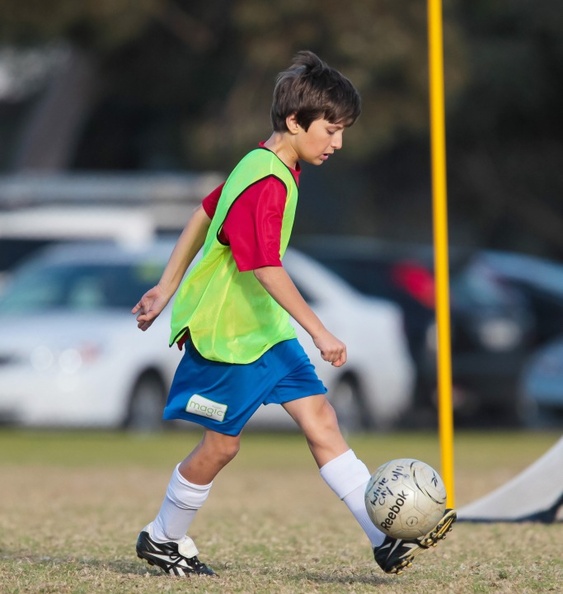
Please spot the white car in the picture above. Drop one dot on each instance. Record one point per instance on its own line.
(71, 354)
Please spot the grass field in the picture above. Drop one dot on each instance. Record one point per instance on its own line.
(73, 503)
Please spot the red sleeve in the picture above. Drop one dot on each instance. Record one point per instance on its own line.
(254, 223)
(209, 203)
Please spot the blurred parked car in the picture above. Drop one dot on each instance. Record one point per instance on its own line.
(542, 387)
(71, 354)
(490, 326)
(539, 280)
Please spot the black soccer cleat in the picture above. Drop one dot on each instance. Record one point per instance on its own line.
(394, 554)
(172, 557)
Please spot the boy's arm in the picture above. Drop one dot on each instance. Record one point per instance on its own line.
(280, 286)
(188, 245)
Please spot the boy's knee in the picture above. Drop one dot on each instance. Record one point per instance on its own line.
(320, 420)
(226, 447)
(327, 414)
(231, 449)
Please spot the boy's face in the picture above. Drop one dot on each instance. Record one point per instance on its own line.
(316, 144)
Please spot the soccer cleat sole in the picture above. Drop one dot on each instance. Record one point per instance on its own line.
(431, 539)
(401, 566)
(440, 530)
(178, 571)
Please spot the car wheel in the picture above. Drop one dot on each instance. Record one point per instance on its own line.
(145, 404)
(347, 401)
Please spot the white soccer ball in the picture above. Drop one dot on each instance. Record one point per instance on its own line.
(405, 498)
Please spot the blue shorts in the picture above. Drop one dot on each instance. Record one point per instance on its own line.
(223, 396)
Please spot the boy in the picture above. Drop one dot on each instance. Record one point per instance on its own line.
(232, 313)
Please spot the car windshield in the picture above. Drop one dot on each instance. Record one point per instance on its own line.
(362, 274)
(477, 285)
(78, 286)
(470, 284)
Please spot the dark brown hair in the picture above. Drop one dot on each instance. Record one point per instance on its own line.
(311, 89)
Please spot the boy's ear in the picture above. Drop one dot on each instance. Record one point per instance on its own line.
(291, 123)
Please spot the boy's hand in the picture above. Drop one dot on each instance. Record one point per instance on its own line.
(149, 307)
(332, 349)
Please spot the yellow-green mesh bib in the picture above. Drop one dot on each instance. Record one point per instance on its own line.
(230, 316)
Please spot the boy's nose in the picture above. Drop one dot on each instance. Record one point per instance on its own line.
(337, 142)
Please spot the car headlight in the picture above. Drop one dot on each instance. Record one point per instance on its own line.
(67, 360)
(499, 334)
(42, 358)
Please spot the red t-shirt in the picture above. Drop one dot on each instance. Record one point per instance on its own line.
(253, 225)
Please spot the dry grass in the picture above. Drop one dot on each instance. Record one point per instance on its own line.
(74, 503)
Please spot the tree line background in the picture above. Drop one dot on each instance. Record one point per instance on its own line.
(186, 85)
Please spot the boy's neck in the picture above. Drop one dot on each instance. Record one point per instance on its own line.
(279, 143)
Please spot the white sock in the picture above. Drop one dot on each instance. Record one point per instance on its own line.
(347, 477)
(180, 505)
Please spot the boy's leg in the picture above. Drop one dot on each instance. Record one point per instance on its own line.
(190, 484)
(212, 453)
(339, 467)
(347, 476)
(164, 542)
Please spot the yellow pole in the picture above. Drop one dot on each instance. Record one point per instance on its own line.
(440, 214)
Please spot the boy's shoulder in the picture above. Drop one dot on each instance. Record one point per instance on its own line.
(260, 163)
(260, 154)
